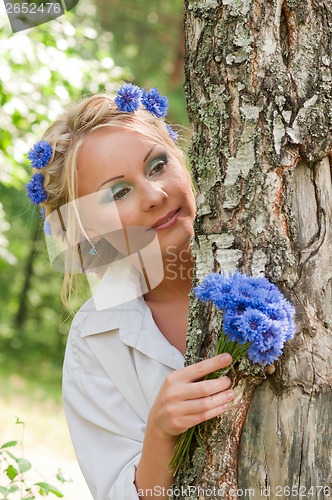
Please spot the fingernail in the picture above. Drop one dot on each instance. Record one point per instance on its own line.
(229, 395)
(225, 357)
(227, 380)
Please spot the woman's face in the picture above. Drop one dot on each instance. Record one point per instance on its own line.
(134, 182)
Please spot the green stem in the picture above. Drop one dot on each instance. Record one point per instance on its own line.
(181, 453)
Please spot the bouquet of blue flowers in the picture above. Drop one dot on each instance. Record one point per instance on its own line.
(257, 321)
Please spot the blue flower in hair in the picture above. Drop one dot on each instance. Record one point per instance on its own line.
(47, 228)
(35, 190)
(173, 134)
(155, 103)
(40, 154)
(128, 98)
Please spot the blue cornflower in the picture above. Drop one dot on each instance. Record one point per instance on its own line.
(214, 288)
(230, 327)
(206, 289)
(128, 98)
(173, 134)
(255, 312)
(155, 103)
(276, 311)
(257, 320)
(242, 293)
(266, 357)
(273, 297)
(238, 307)
(35, 190)
(290, 325)
(272, 335)
(40, 154)
(252, 324)
(238, 290)
(260, 282)
(47, 228)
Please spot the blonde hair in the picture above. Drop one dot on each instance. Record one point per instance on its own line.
(66, 135)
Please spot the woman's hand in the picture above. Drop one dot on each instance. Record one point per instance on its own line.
(185, 399)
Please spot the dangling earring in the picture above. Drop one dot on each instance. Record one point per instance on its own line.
(92, 250)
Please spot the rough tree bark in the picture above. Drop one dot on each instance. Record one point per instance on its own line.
(258, 86)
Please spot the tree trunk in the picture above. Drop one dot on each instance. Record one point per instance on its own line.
(258, 86)
(20, 316)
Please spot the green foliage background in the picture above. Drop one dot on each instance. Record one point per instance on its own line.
(148, 39)
(88, 50)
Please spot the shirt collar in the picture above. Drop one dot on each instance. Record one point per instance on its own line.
(132, 318)
(115, 296)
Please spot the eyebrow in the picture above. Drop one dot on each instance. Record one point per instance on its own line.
(111, 179)
(147, 156)
(122, 176)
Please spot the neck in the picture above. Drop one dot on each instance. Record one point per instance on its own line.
(177, 280)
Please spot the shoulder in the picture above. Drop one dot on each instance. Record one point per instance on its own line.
(79, 358)
(99, 361)
(94, 331)
(89, 319)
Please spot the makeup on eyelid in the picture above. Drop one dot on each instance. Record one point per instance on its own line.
(152, 194)
(114, 191)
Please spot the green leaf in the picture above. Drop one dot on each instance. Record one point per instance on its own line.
(14, 487)
(46, 488)
(4, 491)
(11, 455)
(23, 464)
(11, 472)
(8, 444)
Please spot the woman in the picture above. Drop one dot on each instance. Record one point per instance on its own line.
(118, 197)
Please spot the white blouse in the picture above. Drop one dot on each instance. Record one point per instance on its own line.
(116, 360)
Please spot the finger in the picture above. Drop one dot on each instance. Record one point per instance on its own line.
(205, 388)
(205, 405)
(202, 368)
(192, 420)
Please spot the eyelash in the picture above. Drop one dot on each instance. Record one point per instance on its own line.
(117, 193)
(162, 162)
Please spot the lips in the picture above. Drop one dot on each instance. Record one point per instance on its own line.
(165, 219)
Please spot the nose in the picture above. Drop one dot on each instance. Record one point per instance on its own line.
(153, 194)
